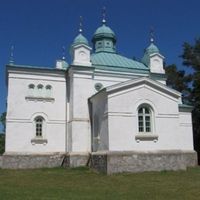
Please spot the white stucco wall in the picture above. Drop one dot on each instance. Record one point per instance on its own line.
(21, 112)
(81, 55)
(156, 64)
(66, 113)
(81, 88)
(168, 124)
(186, 131)
(99, 122)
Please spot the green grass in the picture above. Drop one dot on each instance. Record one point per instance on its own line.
(82, 183)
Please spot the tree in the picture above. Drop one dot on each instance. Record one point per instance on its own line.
(178, 80)
(191, 55)
(191, 59)
(3, 121)
(2, 143)
(2, 136)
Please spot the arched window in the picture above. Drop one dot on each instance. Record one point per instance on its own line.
(48, 90)
(39, 123)
(31, 88)
(145, 119)
(40, 89)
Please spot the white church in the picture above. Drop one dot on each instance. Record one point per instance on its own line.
(104, 110)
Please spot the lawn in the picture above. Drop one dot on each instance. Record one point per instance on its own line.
(82, 183)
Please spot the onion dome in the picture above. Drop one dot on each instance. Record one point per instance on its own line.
(104, 38)
(104, 32)
(80, 39)
(152, 49)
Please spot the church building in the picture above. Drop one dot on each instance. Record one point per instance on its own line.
(104, 110)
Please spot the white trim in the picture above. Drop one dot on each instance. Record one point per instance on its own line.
(143, 81)
(146, 137)
(39, 98)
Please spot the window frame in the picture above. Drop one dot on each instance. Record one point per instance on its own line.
(48, 89)
(145, 135)
(144, 121)
(39, 127)
(40, 90)
(41, 138)
(31, 89)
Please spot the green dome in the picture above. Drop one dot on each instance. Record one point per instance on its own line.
(152, 49)
(80, 39)
(104, 32)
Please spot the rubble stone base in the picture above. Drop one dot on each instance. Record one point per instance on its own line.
(117, 162)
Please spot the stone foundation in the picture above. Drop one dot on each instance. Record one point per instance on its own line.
(117, 162)
(107, 162)
(17, 161)
(31, 161)
(76, 160)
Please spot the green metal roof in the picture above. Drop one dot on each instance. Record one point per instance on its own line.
(104, 32)
(116, 62)
(80, 39)
(151, 49)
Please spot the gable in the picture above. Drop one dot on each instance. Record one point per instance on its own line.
(154, 85)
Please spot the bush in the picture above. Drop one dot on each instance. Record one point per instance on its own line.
(2, 143)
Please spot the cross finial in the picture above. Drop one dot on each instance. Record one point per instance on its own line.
(11, 61)
(63, 52)
(152, 34)
(81, 25)
(104, 15)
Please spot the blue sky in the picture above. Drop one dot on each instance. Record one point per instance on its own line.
(38, 29)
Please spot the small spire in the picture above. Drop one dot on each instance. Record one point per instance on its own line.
(63, 53)
(81, 25)
(152, 35)
(104, 15)
(11, 61)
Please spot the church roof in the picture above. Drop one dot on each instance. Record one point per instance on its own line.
(116, 62)
(141, 81)
(150, 50)
(80, 39)
(104, 32)
(146, 81)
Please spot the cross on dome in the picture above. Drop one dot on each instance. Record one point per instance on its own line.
(63, 52)
(104, 15)
(11, 61)
(152, 35)
(81, 25)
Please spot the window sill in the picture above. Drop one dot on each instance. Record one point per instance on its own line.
(146, 137)
(45, 99)
(39, 141)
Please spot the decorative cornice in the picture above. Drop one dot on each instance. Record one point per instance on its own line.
(185, 108)
(43, 99)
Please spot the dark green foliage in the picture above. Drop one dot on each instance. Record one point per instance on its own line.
(2, 136)
(179, 81)
(3, 121)
(2, 143)
(191, 58)
(191, 55)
